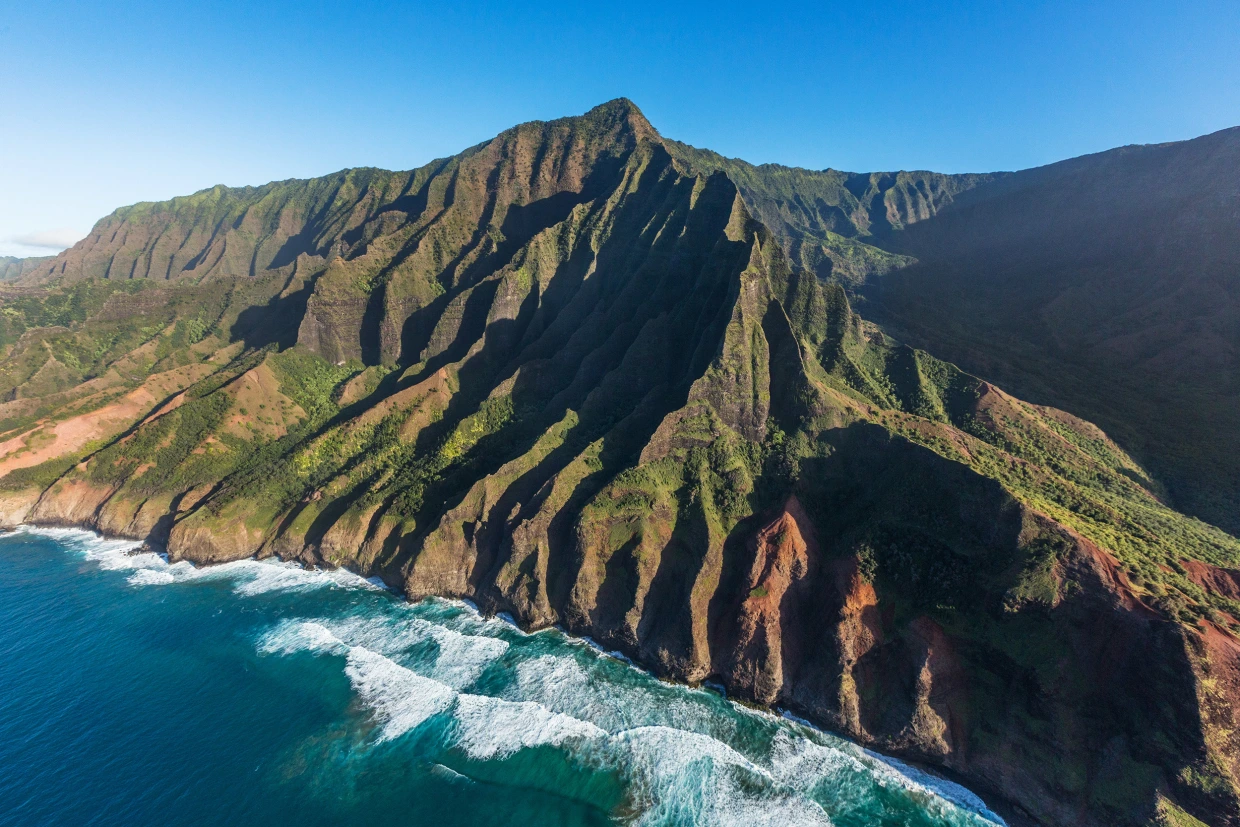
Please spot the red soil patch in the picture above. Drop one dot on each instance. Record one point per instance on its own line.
(1223, 582)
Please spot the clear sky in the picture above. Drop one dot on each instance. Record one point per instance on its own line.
(105, 104)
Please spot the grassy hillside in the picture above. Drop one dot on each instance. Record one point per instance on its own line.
(573, 374)
(1108, 285)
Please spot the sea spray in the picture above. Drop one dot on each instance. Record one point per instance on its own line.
(443, 697)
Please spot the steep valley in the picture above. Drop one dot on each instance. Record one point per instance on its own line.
(602, 380)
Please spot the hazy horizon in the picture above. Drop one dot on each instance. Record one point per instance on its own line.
(168, 100)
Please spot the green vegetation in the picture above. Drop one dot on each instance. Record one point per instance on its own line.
(1066, 285)
(40, 476)
(573, 376)
(60, 307)
(834, 223)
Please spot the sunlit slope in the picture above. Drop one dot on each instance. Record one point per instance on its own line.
(572, 374)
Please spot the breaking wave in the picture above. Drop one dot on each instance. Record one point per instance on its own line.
(468, 696)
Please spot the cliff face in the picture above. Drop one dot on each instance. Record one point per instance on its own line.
(569, 374)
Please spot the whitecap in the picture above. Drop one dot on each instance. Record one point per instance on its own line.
(618, 699)
(257, 577)
(804, 764)
(669, 741)
(301, 636)
(689, 778)
(917, 780)
(510, 621)
(252, 577)
(459, 658)
(614, 654)
(493, 728)
(563, 685)
(450, 774)
(669, 750)
(150, 577)
(462, 658)
(108, 553)
(378, 632)
(400, 698)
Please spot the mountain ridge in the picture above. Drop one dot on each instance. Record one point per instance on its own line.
(1106, 285)
(571, 375)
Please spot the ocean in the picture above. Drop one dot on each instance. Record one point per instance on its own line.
(138, 692)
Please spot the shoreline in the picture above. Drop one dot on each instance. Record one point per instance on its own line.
(996, 805)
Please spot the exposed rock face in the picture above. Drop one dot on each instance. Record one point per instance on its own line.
(781, 561)
(569, 375)
(15, 506)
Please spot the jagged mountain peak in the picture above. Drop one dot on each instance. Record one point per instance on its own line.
(622, 110)
(617, 125)
(592, 377)
(228, 231)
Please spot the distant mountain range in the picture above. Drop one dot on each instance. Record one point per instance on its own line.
(700, 410)
(13, 268)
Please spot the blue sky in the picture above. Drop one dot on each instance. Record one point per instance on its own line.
(107, 104)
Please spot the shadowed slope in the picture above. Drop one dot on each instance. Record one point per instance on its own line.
(1108, 285)
(569, 374)
(831, 222)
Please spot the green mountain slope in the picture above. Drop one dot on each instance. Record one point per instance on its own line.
(575, 374)
(835, 223)
(1108, 285)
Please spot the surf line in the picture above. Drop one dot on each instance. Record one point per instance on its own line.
(150, 566)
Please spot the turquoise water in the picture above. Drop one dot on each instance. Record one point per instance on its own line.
(137, 692)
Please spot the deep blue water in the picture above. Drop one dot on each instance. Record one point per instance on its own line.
(134, 692)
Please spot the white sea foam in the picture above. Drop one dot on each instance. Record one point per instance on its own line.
(507, 620)
(262, 576)
(489, 727)
(917, 780)
(301, 636)
(689, 778)
(463, 658)
(450, 774)
(108, 553)
(614, 654)
(400, 698)
(803, 764)
(250, 577)
(823, 772)
(671, 750)
(561, 684)
(617, 701)
(379, 633)
(151, 577)
(460, 657)
(678, 776)
(669, 742)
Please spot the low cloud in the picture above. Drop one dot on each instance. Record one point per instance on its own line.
(50, 239)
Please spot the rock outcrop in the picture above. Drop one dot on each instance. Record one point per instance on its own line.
(572, 374)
